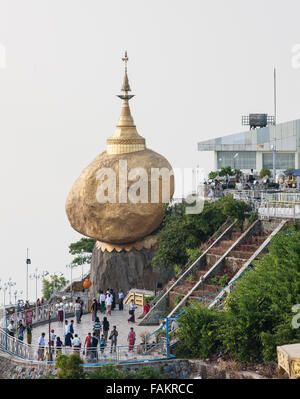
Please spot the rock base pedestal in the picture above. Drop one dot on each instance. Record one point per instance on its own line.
(125, 270)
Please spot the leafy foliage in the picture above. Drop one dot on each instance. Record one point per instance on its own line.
(198, 331)
(82, 249)
(193, 254)
(225, 170)
(181, 230)
(108, 371)
(264, 172)
(212, 175)
(111, 371)
(55, 283)
(70, 367)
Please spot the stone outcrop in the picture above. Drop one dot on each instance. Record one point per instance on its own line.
(125, 270)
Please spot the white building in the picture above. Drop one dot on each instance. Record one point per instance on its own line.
(253, 149)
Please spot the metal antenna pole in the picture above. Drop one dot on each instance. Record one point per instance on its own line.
(275, 121)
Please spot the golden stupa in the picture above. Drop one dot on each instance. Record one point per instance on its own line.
(114, 199)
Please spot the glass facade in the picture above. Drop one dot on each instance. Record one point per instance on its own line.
(244, 159)
(283, 161)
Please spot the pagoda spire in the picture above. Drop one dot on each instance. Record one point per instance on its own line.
(126, 138)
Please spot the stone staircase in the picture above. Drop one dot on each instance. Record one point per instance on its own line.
(223, 262)
(212, 257)
(159, 307)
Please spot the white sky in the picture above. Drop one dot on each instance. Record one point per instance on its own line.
(195, 67)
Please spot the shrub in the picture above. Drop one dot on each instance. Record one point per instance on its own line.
(193, 254)
(198, 331)
(70, 366)
(108, 371)
(212, 175)
(178, 298)
(264, 172)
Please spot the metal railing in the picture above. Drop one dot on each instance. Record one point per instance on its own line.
(100, 355)
(285, 210)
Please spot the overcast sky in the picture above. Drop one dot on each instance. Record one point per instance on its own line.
(195, 67)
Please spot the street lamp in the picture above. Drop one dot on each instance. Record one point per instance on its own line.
(38, 275)
(4, 287)
(10, 284)
(28, 262)
(71, 265)
(16, 294)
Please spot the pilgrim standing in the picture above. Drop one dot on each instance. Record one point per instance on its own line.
(41, 347)
(121, 299)
(88, 344)
(76, 343)
(94, 309)
(132, 308)
(97, 327)
(60, 313)
(108, 303)
(114, 338)
(77, 310)
(102, 302)
(105, 326)
(131, 339)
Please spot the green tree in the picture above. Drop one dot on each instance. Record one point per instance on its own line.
(70, 367)
(82, 250)
(54, 284)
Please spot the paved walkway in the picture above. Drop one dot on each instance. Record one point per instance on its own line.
(118, 318)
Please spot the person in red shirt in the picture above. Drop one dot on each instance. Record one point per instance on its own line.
(146, 308)
(88, 344)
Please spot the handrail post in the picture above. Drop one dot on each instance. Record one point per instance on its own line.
(5, 329)
(167, 330)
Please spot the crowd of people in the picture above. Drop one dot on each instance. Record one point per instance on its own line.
(101, 334)
(95, 341)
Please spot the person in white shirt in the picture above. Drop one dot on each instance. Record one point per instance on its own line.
(76, 342)
(108, 303)
(77, 311)
(11, 329)
(41, 348)
(52, 337)
(102, 302)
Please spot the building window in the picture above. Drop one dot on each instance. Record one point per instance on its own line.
(243, 159)
(283, 161)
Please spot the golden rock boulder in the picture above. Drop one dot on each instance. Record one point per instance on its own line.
(120, 222)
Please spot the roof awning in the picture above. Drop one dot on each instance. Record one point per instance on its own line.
(294, 172)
